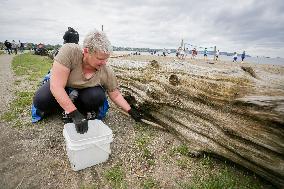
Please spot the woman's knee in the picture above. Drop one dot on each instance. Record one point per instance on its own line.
(43, 98)
(92, 97)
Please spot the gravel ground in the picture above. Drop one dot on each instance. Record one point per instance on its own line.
(34, 156)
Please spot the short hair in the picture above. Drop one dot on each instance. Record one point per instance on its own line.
(97, 41)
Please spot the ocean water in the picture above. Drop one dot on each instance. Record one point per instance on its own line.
(257, 60)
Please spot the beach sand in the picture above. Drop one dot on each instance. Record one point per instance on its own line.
(277, 69)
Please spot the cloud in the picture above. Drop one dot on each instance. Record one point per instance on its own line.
(251, 25)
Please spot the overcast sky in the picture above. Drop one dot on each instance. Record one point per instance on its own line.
(256, 26)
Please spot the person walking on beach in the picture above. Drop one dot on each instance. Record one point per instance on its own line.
(186, 52)
(169, 51)
(14, 47)
(8, 46)
(21, 47)
(243, 56)
(181, 54)
(217, 55)
(205, 54)
(235, 57)
(194, 53)
(178, 52)
(80, 79)
(164, 52)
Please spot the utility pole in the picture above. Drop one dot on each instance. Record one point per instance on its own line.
(214, 52)
(102, 27)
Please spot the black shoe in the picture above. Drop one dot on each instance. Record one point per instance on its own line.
(66, 118)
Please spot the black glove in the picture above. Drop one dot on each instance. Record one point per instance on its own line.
(81, 123)
(135, 114)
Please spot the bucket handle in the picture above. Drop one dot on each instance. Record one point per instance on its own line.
(107, 151)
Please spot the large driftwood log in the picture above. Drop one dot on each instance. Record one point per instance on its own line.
(233, 111)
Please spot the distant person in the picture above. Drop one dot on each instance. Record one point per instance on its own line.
(186, 52)
(8, 46)
(14, 47)
(40, 46)
(34, 46)
(21, 47)
(205, 52)
(181, 54)
(71, 36)
(243, 56)
(164, 52)
(194, 53)
(235, 57)
(84, 71)
(217, 55)
(178, 52)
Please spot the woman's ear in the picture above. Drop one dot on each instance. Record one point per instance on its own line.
(86, 50)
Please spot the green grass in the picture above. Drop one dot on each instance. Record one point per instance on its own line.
(225, 179)
(31, 66)
(89, 187)
(115, 176)
(183, 163)
(31, 69)
(149, 183)
(142, 142)
(206, 161)
(18, 108)
(182, 150)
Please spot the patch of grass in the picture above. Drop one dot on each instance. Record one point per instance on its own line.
(17, 82)
(149, 183)
(32, 68)
(183, 163)
(221, 180)
(89, 187)
(165, 158)
(18, 108)
(23, 100)
(207, 161)
(31, 65)
(8, 116)
(180, 150)
(142, 142)
(115, 176)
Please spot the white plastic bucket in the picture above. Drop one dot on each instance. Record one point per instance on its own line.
(91, 148)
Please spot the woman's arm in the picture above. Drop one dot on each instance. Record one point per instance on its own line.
(58, 82)
(118, 99)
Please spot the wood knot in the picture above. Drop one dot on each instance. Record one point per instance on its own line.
(174, 80)
(249, 70)
(154, 64)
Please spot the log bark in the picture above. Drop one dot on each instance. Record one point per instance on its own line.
(233, 111)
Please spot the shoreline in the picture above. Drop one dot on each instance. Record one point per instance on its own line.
(250, 60)
(279, 69)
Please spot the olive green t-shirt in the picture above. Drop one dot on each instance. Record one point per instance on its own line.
(71, 56)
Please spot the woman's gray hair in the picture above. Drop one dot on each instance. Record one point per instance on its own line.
(97, 41)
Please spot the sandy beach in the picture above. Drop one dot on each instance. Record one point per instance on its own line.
(198, 61)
